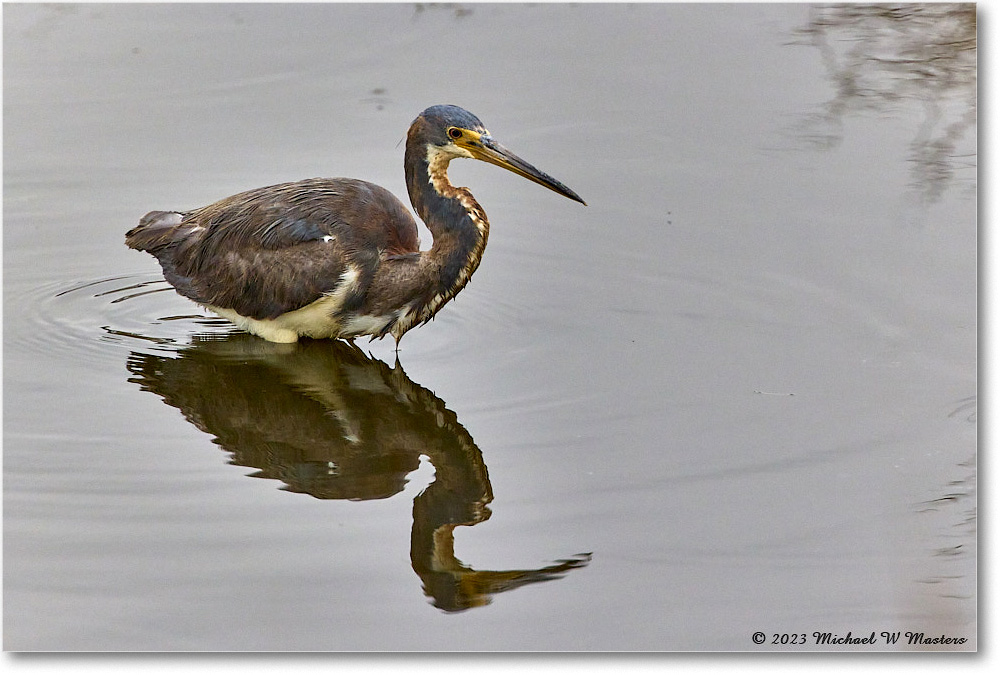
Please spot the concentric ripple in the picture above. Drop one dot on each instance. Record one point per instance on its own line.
(95, 319)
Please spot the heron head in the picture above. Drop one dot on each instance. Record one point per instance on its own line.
(456, 132)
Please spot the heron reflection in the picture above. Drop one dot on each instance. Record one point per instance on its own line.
(328, 421)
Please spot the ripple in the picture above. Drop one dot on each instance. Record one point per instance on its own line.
(100, 319)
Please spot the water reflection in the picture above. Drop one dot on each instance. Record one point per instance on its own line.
(328, 421)
(957, 504)
(878, 55)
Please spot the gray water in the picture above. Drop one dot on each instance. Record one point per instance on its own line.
(735, 393)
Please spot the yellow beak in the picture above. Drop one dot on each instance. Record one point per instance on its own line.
(483, 147)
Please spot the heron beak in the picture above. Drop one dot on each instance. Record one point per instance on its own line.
(485, 148)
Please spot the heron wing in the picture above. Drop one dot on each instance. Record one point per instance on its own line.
(276, 249)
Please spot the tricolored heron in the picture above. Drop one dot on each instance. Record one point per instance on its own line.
(338, 257)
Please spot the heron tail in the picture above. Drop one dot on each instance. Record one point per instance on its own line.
(155, 230)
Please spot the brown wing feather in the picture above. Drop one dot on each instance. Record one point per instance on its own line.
(275, 249)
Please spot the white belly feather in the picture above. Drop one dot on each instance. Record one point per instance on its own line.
(316, 320)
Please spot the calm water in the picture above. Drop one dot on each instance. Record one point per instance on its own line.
(735, 393)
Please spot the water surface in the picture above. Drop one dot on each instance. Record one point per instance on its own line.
(735, 393)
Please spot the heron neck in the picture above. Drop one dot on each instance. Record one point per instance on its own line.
(454, 218)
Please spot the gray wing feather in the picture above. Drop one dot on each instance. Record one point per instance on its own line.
(276, 249)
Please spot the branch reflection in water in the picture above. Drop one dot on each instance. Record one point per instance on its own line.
(877, 56)
(328, 421)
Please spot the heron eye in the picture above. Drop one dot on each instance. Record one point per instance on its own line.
(455, 133)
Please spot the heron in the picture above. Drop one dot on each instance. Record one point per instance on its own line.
(338, 257)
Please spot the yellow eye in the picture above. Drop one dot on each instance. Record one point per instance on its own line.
(455, 132)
